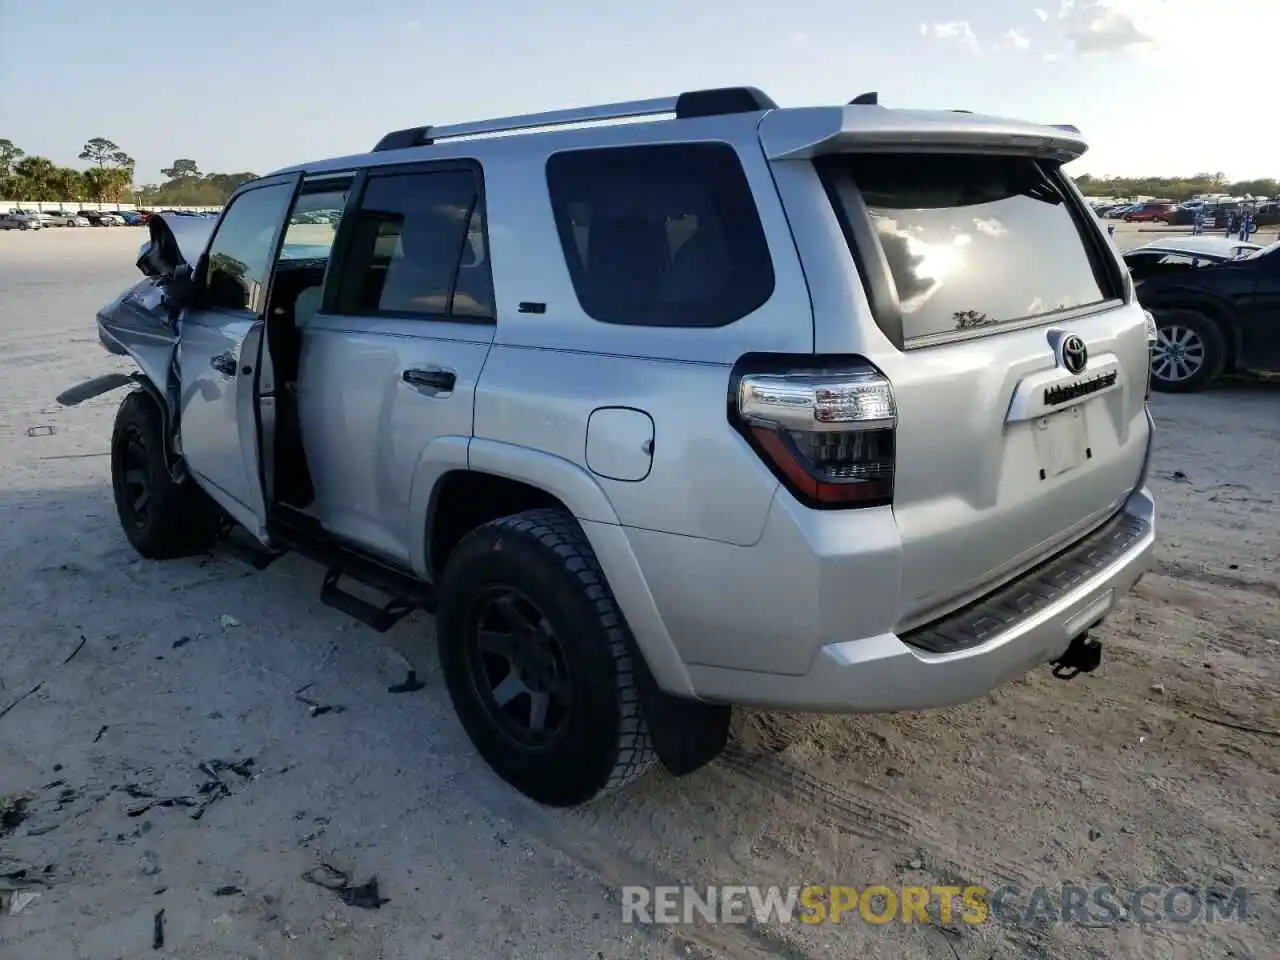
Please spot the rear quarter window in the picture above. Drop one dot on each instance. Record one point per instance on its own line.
(975, 241)
(660, 235)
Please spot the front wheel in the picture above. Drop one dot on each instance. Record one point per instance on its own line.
(161, 518)
(1190, 351)
(538, 660)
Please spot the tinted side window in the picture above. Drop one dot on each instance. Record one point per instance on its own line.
(417, 248)
(243, 248)
(313, 222)
(975, 241)
(663, 236)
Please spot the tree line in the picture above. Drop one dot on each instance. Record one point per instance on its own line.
(109, 173)
(108, 178)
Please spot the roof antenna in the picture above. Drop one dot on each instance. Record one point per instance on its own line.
(866, 100)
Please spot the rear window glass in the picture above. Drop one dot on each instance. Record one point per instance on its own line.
(975, 241)
(664, 235)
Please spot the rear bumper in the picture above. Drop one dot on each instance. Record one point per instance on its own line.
(1025, 624)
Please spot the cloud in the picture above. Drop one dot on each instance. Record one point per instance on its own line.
(1044, 17)
(1016, 38)
(1050, 57)
(1064, 8)
(1106, 27)
(956, 31)
(411, 26)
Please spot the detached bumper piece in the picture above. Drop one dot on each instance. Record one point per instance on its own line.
(997, 612)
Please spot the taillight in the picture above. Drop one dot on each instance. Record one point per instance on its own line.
(1153, 334)
(827, 433)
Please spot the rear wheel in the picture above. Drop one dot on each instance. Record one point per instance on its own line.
(538, 660)
(161, 518)
(1189, 353)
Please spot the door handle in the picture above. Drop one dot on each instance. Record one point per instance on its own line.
(224, 363)
(430, 379)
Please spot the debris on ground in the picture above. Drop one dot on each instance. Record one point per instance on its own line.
(227, 891)
(214, 788)
(410, 684)
(228, 621)
(22, 697)
(157, 934)
(79, 646)
(71, 656)
(181, 642)
(102, 731)
(18, 901)
(365, 896)
(317, 709)
(13, 810)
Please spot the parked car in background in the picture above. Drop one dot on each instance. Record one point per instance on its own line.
(1149, 212)
(1267, 214)
(130, 218)
(1173, 254)
(18, 221)
(1216, 304)
(1184, 215)
(102, 218)
(44, 219)
(66, 218)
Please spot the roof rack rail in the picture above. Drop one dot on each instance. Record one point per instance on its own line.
(692, 103)
(1069, 127)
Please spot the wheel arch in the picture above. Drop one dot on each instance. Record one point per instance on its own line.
(461, 487)
(1215, 308)
(146, 387)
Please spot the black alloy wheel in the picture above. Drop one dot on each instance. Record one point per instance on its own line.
(519, 669)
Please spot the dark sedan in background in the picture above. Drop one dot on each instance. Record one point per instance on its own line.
(1216, 303)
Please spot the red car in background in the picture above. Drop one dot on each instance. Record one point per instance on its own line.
(1150, 212)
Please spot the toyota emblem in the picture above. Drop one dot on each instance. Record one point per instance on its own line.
(1075, 355)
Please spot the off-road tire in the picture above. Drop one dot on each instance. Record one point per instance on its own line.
(180, 519)
(544, 554)
(1211, 335)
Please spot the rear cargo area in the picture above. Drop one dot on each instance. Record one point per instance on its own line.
(980, 268)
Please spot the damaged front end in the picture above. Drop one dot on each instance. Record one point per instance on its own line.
(144, 323)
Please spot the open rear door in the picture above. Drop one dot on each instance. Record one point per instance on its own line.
(221, 348)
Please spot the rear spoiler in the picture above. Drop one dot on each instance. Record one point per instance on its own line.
(803, 134)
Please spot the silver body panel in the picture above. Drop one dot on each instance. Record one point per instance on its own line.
(734, 590)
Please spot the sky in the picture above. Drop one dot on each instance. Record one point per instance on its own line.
(1154, 85)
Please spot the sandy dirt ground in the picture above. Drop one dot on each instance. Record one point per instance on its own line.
(1161, 769)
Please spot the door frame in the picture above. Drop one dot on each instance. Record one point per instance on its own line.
(253, 514)
(264, 401)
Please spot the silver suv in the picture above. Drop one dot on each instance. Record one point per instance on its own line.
(830, 409)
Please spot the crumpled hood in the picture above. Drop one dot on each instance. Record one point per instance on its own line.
(191, 234)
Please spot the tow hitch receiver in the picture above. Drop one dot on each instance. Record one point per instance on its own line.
(1083, 656)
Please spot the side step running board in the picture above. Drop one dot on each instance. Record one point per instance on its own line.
(303, 534)
(381, 618)
(251, 553)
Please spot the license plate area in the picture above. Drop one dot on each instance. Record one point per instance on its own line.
(1062, 441)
